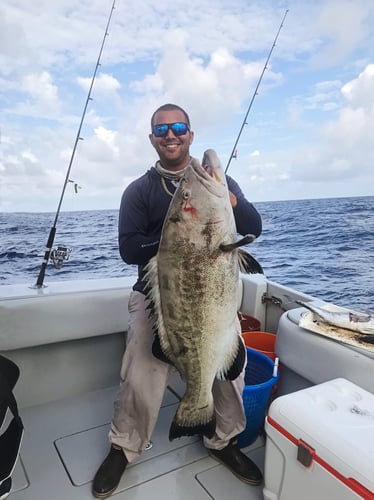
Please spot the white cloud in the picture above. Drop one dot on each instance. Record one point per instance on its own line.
(37, 85)
(343, 25)
(308, 125)
(41, 96)
(221, 81)
(359, 92)
(326, 96)
(343, 148)
(103, 83)
(27, 155)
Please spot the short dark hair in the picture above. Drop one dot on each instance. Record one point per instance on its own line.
(170, 107)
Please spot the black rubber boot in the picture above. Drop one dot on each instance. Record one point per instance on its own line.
(109, 473)
(238, 463)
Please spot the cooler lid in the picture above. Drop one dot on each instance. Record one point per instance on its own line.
(336, 419)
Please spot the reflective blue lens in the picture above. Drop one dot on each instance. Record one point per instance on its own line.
(178, 128)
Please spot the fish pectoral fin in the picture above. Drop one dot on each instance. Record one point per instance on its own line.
(158, 352)
(248, 264)
(237, 365)
(229, 247)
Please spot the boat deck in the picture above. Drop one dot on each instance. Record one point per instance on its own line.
(65, 441)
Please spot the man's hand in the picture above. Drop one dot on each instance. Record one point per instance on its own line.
(233, 199)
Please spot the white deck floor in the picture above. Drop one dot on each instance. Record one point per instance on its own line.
(65, 442)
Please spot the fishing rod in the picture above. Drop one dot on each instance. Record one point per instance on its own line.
(61, 251)
(254, 94)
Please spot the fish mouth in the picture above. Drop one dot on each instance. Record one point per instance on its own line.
(210, 174)
(212, 166)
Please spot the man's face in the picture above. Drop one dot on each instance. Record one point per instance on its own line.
(173, 151)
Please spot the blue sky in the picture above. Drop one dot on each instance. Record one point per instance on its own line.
(308, 134)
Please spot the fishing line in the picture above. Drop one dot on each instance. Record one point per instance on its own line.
(233, 152)
(51, 237)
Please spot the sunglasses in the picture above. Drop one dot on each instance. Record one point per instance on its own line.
(178, 128)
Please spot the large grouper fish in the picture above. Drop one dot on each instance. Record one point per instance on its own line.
(193, 284)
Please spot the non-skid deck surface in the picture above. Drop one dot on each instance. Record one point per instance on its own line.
(65, 442)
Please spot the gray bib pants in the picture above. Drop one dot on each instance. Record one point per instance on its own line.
(144, 379)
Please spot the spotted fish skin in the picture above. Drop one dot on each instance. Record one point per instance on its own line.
(194, 287)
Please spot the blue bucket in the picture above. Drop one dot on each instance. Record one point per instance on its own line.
(259, 381)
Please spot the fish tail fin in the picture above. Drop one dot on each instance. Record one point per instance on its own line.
(202, 422)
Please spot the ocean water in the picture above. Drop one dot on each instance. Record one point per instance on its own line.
(321, 247)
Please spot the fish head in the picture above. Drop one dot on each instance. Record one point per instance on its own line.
(212, 166)
(201, 204)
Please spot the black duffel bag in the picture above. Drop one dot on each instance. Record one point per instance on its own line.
(11, 437)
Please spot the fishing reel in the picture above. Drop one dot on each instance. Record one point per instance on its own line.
(59, 255)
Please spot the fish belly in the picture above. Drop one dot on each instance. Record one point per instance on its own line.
(199, 331)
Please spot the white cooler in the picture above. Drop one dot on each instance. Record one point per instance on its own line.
(320, 444)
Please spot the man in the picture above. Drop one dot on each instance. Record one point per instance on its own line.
(143, 377)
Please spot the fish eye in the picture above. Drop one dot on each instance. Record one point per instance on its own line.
(185, 194)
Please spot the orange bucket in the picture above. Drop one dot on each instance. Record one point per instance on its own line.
(260, 341)
(248, 323)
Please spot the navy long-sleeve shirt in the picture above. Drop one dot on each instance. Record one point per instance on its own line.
(143, 209)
